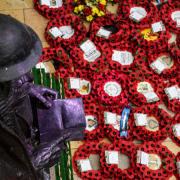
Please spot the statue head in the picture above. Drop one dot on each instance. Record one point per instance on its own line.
(20, 48)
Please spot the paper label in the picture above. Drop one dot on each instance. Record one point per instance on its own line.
(91, 122)
(161, 63)
(88, 47)
(173, 38)
(74, 83)
(140, 119)
(110, 118)
(52, 3)
(149, 35)
(175, 15)
(144, 87)
(176, 130)
(45, 2)
(55, 32)
(84, 165)
(178, 22)
(137, 13)
(112, 157)
(142, 157)
(66, 32)
(172, 92)
(151, 97)
(152, 124)
(158, 27)
(122, 57)
(103, 33)
(56, 3)
(152, 161)
(93, 56)
(90, 51)
(112, 88)
(85, 87)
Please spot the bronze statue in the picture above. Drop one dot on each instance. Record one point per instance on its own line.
(23, 154)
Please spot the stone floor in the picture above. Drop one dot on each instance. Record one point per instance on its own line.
(23, 11)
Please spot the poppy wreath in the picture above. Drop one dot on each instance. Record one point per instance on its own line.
(151, 42)
(52, 13)
(92, 112)
(167, 12)
(172, 132)
(110, 88)
(142, 82)
(149, 8)
(118, 27)
(166, 59)
(167, 166)
(98, 64)
(124, 62)
(66, 20)
(158, 122)
(83, 152)
(111, 170)
(177, 171)
(112, 131)
(172, 102)
(85, 88)
(56, 54)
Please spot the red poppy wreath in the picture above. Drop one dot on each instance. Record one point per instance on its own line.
(90, 56)
(110, 88)
(79, 86)
(163, 63)
(83, 162)
(154, 161)
(145, 88)
(109, 29)
(124, 57)
(139, 13)
(66, 31)
(150, 123)
(152, 40)
(112, 117)
(117, 160)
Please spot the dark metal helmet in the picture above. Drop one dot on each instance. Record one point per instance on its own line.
(20, 48)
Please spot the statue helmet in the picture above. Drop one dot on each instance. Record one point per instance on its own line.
(20, 48)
